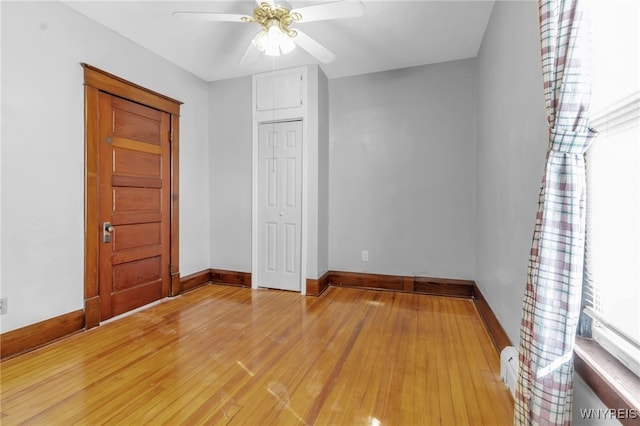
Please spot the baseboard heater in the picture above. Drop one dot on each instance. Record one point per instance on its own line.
(509, 368)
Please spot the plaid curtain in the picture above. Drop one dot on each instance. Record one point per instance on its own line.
(554, 281)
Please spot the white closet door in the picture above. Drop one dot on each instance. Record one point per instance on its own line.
(280, 206)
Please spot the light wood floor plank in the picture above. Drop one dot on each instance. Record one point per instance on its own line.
(226, 355)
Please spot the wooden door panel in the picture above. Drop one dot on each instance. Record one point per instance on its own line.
(136, 182)
(126, 300)
(139, 235)
(146, 130)
(125, 143)
(136, 122)
(136, 164)
(124, 105)
(135, 218)
(135, 200)
(132, 199)
(132, 274)
(132, 255)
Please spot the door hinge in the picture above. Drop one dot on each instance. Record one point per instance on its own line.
(170, 269)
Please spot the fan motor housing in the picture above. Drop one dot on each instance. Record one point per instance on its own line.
(268, 16)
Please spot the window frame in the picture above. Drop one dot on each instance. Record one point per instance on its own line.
(607, 377)
(617, 386)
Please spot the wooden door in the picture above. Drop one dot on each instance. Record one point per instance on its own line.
(134, 205)
(280, 205)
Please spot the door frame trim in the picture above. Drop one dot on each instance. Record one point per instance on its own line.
(96, 81)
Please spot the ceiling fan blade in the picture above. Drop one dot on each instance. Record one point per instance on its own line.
(317, 50)
(333, 10)
(210, 16)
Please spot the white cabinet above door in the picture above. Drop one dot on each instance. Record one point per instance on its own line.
(279, 91)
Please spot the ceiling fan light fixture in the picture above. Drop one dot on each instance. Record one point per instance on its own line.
(276, 37)
(273, 41)
(272, 50)
(260, 41)
(286, 44)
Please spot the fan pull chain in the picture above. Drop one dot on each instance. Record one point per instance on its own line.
(273, 117)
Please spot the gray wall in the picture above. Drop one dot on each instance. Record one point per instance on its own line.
(323, 174)
(230, 125)
(43, 44)
(402, 168)
(510, 154)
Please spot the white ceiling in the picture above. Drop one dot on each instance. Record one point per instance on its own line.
(390, 35)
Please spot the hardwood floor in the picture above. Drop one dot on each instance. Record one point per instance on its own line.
(228, 355)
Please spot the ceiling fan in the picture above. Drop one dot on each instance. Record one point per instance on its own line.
(275, 37)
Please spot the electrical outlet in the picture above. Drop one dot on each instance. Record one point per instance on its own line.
(365, 255)
(4, 305)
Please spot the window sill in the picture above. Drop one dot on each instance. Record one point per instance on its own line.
(615, 385)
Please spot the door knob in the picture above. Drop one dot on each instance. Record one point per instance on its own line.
(107, 229)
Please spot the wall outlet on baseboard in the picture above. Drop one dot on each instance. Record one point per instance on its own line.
(4, 305)
(365, 255)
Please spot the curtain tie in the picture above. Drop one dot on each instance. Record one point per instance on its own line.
(571, 142)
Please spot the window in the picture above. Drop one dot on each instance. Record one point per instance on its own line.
(613, 183)
(613, 228)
